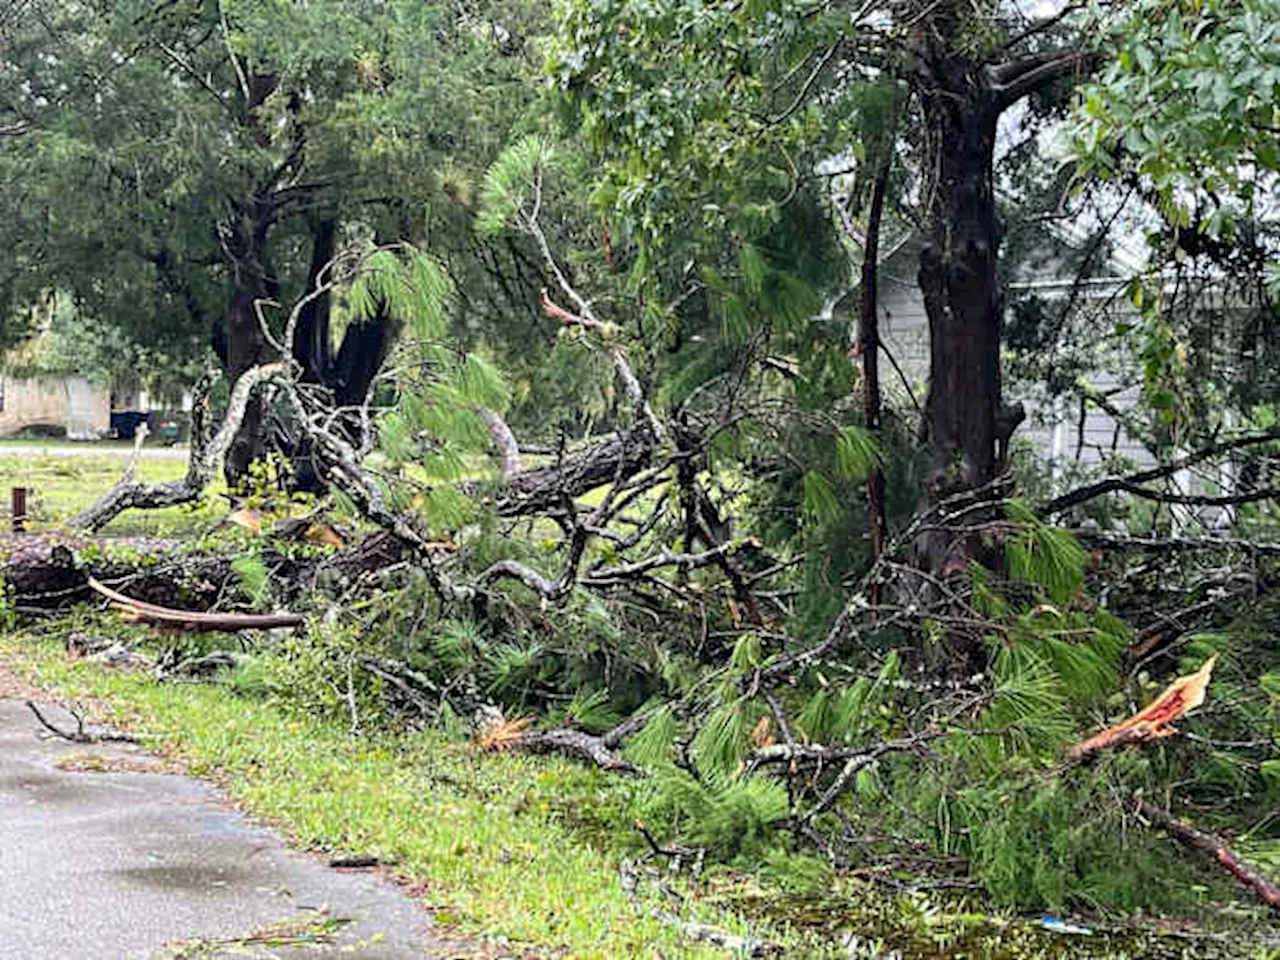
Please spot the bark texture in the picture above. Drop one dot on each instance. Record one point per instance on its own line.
(961, 293)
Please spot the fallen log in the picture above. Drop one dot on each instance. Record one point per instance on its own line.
(1207, 842)
(52, 571)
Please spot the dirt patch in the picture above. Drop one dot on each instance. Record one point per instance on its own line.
(98, 763)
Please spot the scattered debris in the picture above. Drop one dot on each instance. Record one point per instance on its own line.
(1056, 925)
(314, 931)
(97, 763)
(359, 861)
(79, 735)
(742, 946)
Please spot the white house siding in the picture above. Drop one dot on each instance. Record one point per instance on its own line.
(88, 414)
(1054, 426)
(73, 403)
(904, 333)
(1069, 435)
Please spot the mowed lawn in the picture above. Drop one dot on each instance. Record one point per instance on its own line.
(63, 479)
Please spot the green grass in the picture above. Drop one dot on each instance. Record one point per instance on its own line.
(63, 485)
(507, 844)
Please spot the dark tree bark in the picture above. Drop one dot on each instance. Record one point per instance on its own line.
(311, 339)
(961, 295)
(869, 347)
(966, 422)
(245, 342)
(242, 344)
(347, 376)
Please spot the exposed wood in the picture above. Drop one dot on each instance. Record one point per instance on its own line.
(188, 620)
(1154, 721)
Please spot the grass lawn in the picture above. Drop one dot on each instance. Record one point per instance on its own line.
(65, 483)
(506, 845)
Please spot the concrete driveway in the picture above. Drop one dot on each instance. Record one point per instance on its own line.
(117, 862)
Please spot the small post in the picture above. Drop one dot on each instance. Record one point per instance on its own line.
(18, 509)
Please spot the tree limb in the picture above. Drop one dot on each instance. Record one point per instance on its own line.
(1131, 483)
(1268, 890)
(202, 463)
(1014, 79)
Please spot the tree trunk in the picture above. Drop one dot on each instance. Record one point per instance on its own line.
(245, 341)
(966, 423)
(312, 346)
(869, 349)
(348, 375)
(961, 296)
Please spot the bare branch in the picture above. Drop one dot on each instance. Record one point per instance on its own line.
(505, 441)
(1132, 482)
(202, 464)
(1265, 888)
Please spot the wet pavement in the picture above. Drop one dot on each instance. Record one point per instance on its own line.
(113, 862)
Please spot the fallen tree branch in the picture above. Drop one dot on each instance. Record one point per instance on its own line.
(861, 761)
(128, 493)
(539, 489)
(816, 753)
(738, 945)
(79, 735)
(188, 620)
(1113, 541)
(1200, 840)
(576, 744)
(1132, 482)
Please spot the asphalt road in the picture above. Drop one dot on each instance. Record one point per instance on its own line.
(65, 449)
(128, 864)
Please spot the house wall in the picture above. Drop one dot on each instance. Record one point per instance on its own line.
(73, 403)
(1061, 433)
(904, 335)
(1065, 433)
